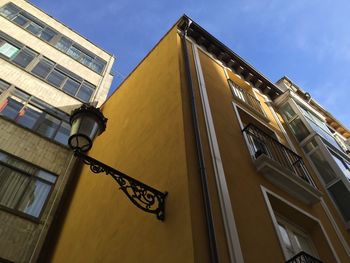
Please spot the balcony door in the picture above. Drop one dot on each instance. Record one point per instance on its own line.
(294, 239)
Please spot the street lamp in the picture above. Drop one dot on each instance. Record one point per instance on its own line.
(88, 122)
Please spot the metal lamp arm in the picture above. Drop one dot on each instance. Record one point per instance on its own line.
(141, 195)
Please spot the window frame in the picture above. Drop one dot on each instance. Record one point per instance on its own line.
(32, 178)
(96, 60)
(33, 102)
(291, 227)
(39, 58)
(322, 145)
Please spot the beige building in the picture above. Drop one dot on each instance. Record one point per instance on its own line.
(46, 70)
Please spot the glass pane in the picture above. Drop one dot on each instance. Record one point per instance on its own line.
(34, 28)
(74, 52)
(71, 86)
(56, 78)
(46, 176)
(10, 107)
(9, 11)
(12, 186)
(344, 167)
(63, 133)
(21, 165)
(286, 241)
(85, 92)
(20, 20)
(299, 129)
(323, 167)
(47, 34)
(34, 198)
(48, 126)
(3, 157)
(341, 197)
(3, 86)
(63, 44)
(24, 57)
(310, 146)
(302, 243)
(288, 112)
(98, 65)
(237, 92)
(28, 116)
(8, 50)
(43, 68)
(86, 60)
(20, 94)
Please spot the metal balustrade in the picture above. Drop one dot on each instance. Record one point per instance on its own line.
(303, 257)
(262, 143)
(246, 97)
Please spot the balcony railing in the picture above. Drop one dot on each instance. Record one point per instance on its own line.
(246, 98)
(303, 257)
(262, 143)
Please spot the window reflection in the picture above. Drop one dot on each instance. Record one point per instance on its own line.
(48, 34)
(23, 187)
(34, 114)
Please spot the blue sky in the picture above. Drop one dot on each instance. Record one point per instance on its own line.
(308, 41)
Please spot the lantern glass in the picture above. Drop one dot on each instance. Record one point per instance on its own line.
(87, 123)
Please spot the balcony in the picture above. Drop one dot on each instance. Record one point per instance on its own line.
(303, 257)
(280, 165)
(246, 98)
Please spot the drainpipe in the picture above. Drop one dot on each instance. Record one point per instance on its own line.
(200, 155)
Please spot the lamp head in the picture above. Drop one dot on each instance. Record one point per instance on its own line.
(87, 122)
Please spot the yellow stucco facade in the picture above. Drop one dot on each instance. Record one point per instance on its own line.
(150, 136)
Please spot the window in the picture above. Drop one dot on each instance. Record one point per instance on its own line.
(21, 56)
(299, 129)
(43, 68)
(34, 28)
(342, 164)
(85, 92)
(8, 50)
(63, 79)
(74, 52)
(24, 57)
(334, 184)
(20, 20)
(71, 86)
(48, 34)
(23, 187)
(294, 239)
(35, 114)
(64, 44)
(9, 11)
(319, 126)
(341, 197)
(3, 86)
(48, 125)
(243, 95)
(296, 125)
(56, 78)
(98, 65)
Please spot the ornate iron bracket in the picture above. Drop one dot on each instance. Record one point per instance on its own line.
(141, 195)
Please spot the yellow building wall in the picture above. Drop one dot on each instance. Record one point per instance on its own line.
(145, 139)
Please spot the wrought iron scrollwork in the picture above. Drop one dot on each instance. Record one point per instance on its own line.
(141, 195)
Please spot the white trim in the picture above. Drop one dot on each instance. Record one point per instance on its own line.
(265, 192)
(291, 145)
(336, 228)
(223, 193)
